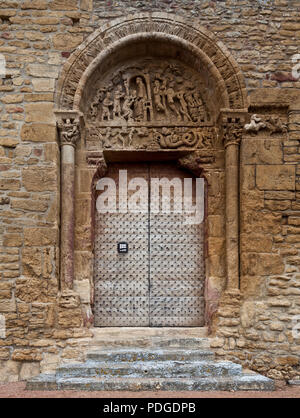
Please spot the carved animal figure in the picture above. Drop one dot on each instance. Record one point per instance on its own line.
(255, 124)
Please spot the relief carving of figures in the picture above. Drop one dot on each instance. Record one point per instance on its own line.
(147, 92)
(151, 138)
(69, 131)
(233, 133)
(273, 124)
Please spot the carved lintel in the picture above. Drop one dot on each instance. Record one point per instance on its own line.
(69, 124)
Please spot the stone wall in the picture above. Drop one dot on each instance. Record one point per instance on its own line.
(43, 325)
(255, 326)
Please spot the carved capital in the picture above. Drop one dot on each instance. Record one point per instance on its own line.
(69, 127)
(97, 160)
(232, 134)
(231, 123)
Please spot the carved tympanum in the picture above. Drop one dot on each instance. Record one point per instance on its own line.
(150, 104)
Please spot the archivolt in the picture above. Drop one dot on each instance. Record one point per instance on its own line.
(111, 40)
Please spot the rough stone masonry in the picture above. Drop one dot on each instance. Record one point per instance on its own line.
(247, 55)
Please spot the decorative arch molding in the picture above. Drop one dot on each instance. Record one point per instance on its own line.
(181, 40)
(162, 27)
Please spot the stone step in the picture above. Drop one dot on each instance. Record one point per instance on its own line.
(150, 341)
(127, 333)
(162, 369)
(155, 354)
(244, 382)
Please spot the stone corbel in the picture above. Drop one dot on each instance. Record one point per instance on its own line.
(231, 124)
(69, 124)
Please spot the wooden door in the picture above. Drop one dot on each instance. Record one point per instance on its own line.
(159, 282)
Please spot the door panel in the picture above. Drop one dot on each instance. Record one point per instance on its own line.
(122, 280)
(160, 281)
(176, 263)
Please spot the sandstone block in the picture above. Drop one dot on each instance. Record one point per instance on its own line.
(35, 4)
(256, 243)
(34, 290)
(39, 112)
(43, 71)
(287, 360)
(261, 151)
(32, 262)
(70, 318)
(43, 84)
(275, 177)
(262, 264)
(29, 205)
(12, 240)
(26, 355)
(9, 142)
(83, 288)
(39, 179)
(12, 98)
(64, 5)
(67, 42)
(29, 369)
(8, 305)
(40, 236)
(9, 371)
(38, 132)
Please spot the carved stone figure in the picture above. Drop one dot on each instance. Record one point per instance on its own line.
(255, 124)
(269, 123)
(117, 111)
(149, 91)
(140, 99)
(106, 104)
(170, 99)
(158, 96)
(275, 125)
(69, 131)
(183, 110)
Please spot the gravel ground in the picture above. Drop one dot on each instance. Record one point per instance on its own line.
(17, 390)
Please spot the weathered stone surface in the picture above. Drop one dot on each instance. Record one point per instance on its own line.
(38, 133)
(37, 112)
(39, 179)
(275, 177)
(65, 42)
(262, 151)
(262, 264)
(40, 236)
(29, 370)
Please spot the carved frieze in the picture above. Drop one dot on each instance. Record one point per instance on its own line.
(146, 137)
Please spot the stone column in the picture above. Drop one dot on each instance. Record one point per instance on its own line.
(232, 125)
(232, 143)
(69, 134)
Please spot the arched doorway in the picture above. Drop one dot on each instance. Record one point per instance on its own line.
(152, 88)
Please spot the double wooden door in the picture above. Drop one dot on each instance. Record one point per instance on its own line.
(159, 282)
